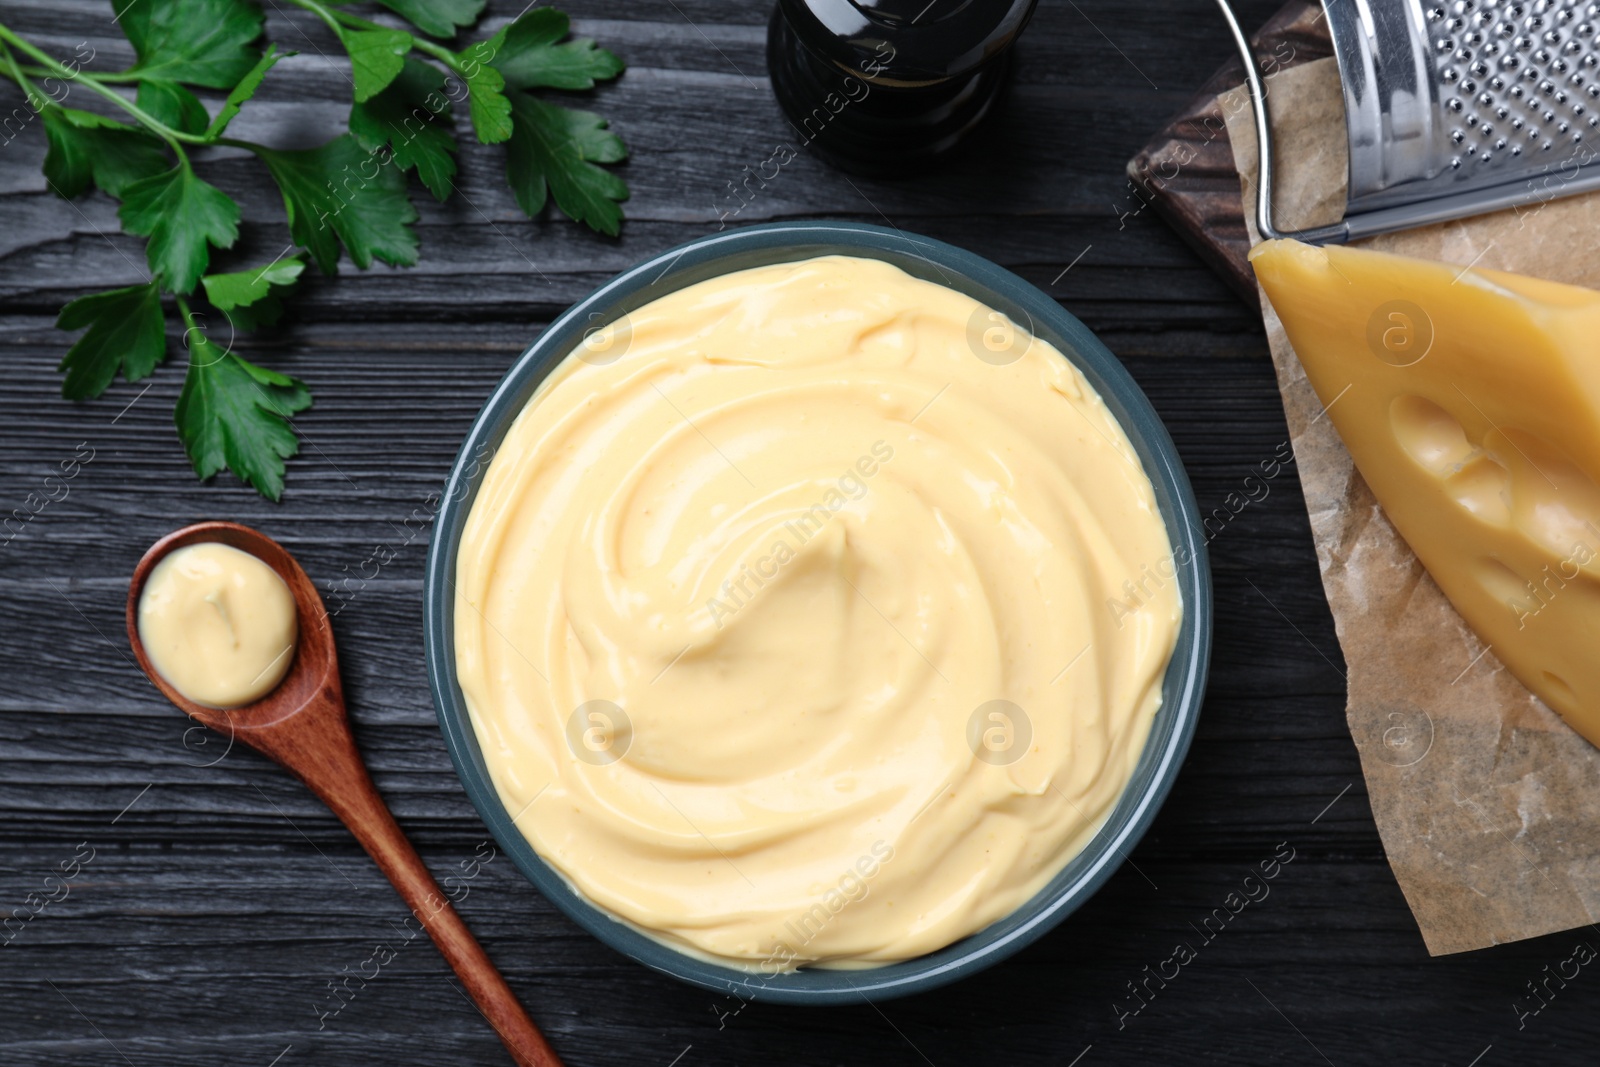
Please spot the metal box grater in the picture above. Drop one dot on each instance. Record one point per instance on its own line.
(1452, 108)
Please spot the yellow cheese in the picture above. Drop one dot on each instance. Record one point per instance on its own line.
(1470, 402)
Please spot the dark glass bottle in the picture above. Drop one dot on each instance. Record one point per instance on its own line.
(886, 86)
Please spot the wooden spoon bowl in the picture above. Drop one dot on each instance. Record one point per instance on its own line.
(302, 725)
(314, 673)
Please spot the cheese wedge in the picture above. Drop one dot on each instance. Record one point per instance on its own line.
(1470, 401)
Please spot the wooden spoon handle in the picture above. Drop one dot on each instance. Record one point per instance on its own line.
(373, 825)
(316, 745)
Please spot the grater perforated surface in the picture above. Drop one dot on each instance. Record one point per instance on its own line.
(1452, 108)
(1519, 80)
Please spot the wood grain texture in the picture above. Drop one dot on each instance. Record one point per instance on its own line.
(218, 911)
(303, 726)
(1186, 171)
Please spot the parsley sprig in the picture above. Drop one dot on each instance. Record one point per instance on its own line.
(347, 197)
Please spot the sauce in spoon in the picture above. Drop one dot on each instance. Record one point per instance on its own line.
(218, 624)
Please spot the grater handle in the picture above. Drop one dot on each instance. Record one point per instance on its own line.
(1337, 233)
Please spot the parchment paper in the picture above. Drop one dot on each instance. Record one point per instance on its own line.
(1487, 803)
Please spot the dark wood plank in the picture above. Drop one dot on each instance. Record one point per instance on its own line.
(222, 899)
(1186, 172)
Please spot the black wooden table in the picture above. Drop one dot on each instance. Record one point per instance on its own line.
(217, 902)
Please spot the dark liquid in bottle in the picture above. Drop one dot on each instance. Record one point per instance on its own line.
(886, 86)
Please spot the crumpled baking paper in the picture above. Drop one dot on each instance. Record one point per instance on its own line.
(1487, 803)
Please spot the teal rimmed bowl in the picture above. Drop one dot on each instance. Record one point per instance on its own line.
(947, 265)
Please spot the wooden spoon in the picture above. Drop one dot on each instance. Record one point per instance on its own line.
(302, 725)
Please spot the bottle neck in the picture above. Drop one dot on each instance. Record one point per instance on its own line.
(912, 43)
(883, 95)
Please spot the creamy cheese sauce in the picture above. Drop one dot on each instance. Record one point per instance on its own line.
(813, 614)
(218, 624)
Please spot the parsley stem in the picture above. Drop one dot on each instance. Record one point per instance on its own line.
(188, 319)
(356, 22)
(322, 13)
(36, 99)
(338, 19)
(59, 70)
(443, 55)
(104, 77)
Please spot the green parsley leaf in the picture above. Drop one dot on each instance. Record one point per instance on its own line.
(68, 162)
(376, 57)
(552, 149)
(412, 117)
(341, 197)
(174, 105)
(557, 148)
(85, 147)
(181, 214)
(437, 18)
(486, 102)
(232, 413)
(125, 157)
(126, 332)
(245, 89)
(341, 192)
(253, 298)
(530, 57)
(201, 42)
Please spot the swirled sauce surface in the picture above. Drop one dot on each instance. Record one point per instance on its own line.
(218, 624)
(813, 614)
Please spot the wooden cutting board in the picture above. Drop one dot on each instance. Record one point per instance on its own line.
(1186, 172)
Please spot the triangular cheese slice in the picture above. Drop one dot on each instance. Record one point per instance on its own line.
(1470, 401)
